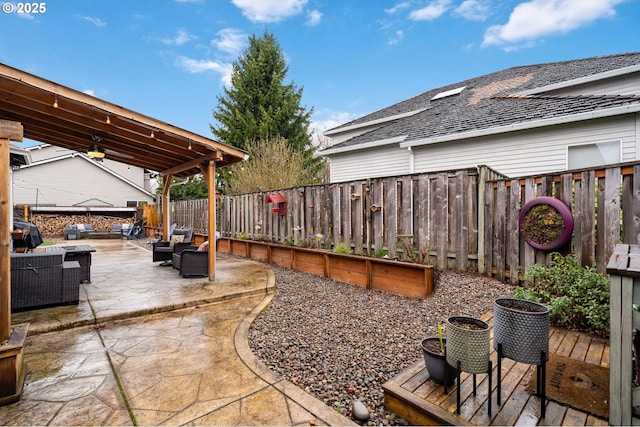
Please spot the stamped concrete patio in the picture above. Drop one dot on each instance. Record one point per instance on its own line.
(147, 347)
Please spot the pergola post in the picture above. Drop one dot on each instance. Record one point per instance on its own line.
(211, 187)
(166, 187)
(11, 339)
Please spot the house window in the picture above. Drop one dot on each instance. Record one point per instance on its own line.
(132, 204)
(598, 154)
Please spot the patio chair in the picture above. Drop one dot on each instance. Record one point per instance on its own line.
(192, 262)
(163, 250)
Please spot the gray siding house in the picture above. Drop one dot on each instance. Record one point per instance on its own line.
(61, 177)
(520, 121)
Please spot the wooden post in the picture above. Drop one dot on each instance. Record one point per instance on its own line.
(12, 371)
(9, 131)
(209, 173)
(165, 207)
(211, 181)
(624, 279)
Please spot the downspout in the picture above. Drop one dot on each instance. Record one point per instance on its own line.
(412, 160)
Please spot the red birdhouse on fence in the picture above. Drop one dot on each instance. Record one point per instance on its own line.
(279, 203)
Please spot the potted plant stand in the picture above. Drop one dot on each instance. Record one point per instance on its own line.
(468, 347)
(434, 360)
(521, 333)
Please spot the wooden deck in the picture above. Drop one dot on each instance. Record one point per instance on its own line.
(414, 396)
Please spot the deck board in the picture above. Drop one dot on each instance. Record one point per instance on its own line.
(414, 396)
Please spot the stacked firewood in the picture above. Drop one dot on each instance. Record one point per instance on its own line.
(53, 225)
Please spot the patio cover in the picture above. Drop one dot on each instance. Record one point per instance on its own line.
(125, 135)
(45, 111)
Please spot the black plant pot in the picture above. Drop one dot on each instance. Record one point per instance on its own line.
(441, 372)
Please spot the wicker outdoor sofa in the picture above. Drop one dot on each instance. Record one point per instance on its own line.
(43, 279)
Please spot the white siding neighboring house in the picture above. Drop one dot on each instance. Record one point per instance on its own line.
(519, 121)
(60, 177)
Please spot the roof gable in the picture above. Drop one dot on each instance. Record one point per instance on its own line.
(93, 163)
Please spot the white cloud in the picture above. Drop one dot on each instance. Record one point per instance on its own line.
(89, 92)
(433, 10)
(195, 66)
(313, 18)
(230, 40)
(538, 18)
(396, 38)
(181, 38)
(95, 21)
(473, 10)
(269, 10)
(397, 8)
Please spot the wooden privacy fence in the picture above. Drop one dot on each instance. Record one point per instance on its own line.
(605, 203)
(464, 220)
(433, 213)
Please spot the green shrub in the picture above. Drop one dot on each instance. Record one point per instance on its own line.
(341, 248)
(577, 297)
(243, 236)
(380, 253)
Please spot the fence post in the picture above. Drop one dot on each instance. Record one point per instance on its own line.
(483, 172)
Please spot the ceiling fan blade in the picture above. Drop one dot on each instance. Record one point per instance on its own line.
(118, 154)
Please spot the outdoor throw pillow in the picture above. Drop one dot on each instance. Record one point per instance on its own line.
(175, 238)
(204, 246)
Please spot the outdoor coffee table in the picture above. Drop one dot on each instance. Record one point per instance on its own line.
(80, 253)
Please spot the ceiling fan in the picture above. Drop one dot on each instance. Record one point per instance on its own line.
(97, 152)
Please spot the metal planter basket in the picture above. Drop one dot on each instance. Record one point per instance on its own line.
(522, 328)
(468, 345)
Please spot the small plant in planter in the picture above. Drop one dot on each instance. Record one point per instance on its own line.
(546, 223)
(341, 248)
(434, 359)
(242, 236)
(381, 253)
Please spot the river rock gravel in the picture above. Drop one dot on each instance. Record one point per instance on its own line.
(341, 342)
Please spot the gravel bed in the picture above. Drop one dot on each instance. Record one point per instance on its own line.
(340, 342)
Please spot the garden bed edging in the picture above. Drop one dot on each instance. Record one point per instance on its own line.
(402, 278)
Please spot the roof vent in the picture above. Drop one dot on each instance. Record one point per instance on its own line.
(447, 93)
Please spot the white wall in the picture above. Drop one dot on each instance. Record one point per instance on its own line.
(528, 152)
(372, 163)
(69, 182)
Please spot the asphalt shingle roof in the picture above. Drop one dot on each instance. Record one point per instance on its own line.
(487, 101)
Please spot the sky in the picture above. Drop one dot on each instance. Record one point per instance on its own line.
(171, 59)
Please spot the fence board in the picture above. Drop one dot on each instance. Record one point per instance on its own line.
(611, 214)
(422, 217)
(513, 235)
(631, 207)
(499, 230)
(390, 214)
(357, 211)
(528, 253)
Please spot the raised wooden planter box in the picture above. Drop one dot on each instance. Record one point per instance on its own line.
(403, 278)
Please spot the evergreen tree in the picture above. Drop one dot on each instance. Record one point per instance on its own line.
(259, 106)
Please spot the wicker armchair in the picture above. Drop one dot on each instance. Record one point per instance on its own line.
(191, 262)
(163, 250)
